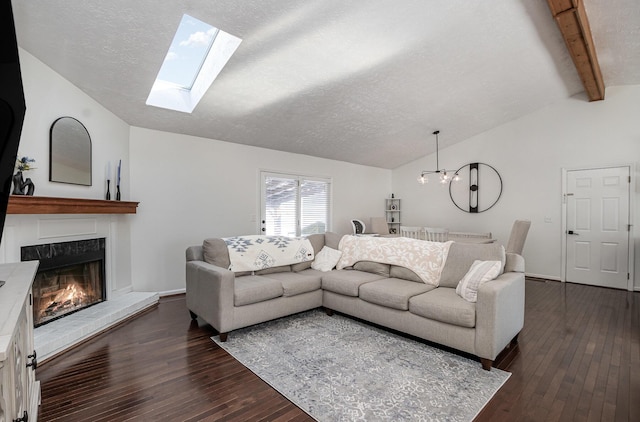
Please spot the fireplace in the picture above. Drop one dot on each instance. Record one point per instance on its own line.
(71, 277)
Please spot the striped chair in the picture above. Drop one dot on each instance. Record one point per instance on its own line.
(436, 234)
(412, 232)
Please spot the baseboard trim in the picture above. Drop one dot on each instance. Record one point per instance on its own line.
(543, 277)
(172, 292)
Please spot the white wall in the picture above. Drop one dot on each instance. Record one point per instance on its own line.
(529, 153)
(49, 96)
(192, 188)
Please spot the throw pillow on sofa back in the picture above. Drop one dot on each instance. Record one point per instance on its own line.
(479, 273)
(326, 259)
(462, 255)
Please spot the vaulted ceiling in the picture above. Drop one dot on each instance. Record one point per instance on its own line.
(358, 81)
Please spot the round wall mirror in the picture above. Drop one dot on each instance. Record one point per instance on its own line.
(70, 152)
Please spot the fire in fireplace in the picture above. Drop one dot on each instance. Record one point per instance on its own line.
(62, 291)
(70, 277)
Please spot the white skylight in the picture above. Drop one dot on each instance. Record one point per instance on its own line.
(196, 56)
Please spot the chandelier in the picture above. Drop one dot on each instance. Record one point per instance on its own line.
(445, 176)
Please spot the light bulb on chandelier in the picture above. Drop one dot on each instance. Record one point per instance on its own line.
(445, 176)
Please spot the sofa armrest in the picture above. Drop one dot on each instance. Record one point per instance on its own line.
(210, 294)
(499, 313)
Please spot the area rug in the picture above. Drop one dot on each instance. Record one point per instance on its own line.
(339, 369)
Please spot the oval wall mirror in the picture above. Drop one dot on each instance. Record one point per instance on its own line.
(70, 152)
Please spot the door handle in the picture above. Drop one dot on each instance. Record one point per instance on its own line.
(571, 232)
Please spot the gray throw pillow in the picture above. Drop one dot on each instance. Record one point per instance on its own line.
(372, 267)
(404, 273)
(332, 240)
(216, 252)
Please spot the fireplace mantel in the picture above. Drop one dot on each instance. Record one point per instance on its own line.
(47, 205)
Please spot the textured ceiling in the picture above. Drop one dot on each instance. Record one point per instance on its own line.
(358, 81)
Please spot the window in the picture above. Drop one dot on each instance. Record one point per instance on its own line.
(295, 205)
(196, 56)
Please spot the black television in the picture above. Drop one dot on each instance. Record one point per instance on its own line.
(12, 105)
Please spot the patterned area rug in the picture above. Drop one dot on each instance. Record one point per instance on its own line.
(339, 369)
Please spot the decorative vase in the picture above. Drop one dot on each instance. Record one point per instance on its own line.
(21, 186)
(118, 193)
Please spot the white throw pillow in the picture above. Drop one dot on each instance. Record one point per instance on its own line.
(326, 259)
(479, 273)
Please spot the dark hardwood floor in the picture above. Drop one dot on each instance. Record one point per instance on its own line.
(578, 358)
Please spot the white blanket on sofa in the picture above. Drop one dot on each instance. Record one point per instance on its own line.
(257, 252)
(424, 258)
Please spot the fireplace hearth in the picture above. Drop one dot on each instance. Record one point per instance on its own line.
(71, 277)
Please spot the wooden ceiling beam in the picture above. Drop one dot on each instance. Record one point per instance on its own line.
(574, 26)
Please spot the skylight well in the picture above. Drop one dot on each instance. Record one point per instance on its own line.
(195, 58)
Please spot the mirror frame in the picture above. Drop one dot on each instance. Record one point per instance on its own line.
(51, 146)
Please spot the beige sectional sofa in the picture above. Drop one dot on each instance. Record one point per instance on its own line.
(387, 295)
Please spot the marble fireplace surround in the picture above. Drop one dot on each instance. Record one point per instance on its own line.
(38, 220)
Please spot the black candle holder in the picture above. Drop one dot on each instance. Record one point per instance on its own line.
(108, 196)
(118, 193)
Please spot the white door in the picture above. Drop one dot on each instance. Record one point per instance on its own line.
(598, 227)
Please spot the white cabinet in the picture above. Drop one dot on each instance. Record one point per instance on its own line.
(19, 390)
(392, 213)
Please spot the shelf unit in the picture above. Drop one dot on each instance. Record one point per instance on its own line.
(392, 214)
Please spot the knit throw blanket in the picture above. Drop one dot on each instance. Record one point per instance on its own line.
(424, 258)
(257, 252)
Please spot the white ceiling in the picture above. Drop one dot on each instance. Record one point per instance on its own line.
(358, 81)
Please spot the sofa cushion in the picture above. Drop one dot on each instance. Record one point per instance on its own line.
(347, 282)
(392, 292)
(332, 240)
(404, 273)
(317, 241)
(296, 283)
(326, 259)
(312, 272)
(373, 267)
(216, 252)
(271, 270)
(514, 263)
(195, 253)
(479, 273)
(461, 256)
(444, 305)
(253, 289)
